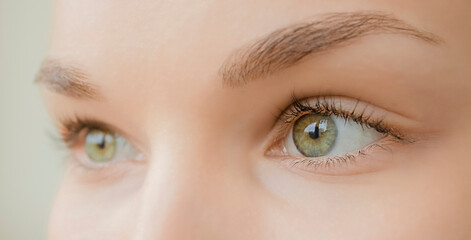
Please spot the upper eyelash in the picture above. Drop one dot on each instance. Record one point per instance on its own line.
(327, 106)
(71, 128)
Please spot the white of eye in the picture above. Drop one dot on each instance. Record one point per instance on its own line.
(126, 151)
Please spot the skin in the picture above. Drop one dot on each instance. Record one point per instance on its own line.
(206, 175)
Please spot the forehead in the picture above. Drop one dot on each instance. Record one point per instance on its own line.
(162, 50)
(169, 42)
(153, 30)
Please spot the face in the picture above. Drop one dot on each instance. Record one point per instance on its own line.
(262, 119)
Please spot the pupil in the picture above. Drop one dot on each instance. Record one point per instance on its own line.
(102, 143)
(314, 134)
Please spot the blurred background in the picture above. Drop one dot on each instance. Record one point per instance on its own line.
(30, 161)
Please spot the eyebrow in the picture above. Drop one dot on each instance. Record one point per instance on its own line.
(288, 46)
(66, 79)
(278, 50)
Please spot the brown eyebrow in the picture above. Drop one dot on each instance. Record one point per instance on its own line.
(66, 79)
(287, 46)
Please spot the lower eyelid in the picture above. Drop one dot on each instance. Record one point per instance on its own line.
(108, 173)
(368, 159)
(79, 157)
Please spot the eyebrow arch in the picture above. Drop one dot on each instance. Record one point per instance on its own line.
(287, 46)
(66, 79)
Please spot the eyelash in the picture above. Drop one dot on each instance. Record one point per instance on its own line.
(331, 106)
(71, 128)
(72, 132)
(328, 107)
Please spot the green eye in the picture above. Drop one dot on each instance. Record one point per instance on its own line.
(100, 146)
(314, 135)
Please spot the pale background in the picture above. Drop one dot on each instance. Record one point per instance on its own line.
(30, 162)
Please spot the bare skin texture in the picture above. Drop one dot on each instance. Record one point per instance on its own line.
(198, 88)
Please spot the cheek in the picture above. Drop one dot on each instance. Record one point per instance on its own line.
(431, 203)
(85, 211)
(423, 197)
(426, 198)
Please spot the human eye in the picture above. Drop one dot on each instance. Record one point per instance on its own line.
(94, 145)
(333, 136)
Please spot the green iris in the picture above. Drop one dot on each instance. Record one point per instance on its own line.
(100, 146)
(314, 134)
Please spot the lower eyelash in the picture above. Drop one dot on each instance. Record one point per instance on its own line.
(327, 162)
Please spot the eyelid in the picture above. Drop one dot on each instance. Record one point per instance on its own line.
(106, 173)
(354, 110)
(351, 110)
(358, 162)
(71, 127)
(74, 132)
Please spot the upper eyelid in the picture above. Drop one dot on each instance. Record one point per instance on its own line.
(335, 105)
(76, 124)
(323, 105)
(73, 126)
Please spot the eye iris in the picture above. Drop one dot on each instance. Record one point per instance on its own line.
(314, 134)
(100, 146)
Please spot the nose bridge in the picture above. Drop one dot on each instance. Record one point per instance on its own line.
(169, 200)
(190, 192)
